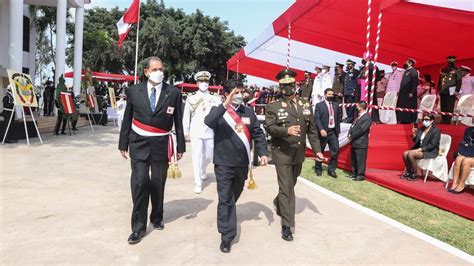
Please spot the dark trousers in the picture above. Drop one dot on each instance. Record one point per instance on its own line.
(358, 159)
(61, 119)
(350, 110)
(230, 183)
(447, 105)
(333, 142)
(47, 107)
(143, 187)
(285, 201)
(6, 118)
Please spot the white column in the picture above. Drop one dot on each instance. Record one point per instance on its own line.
(15, 59)
(78, 36)
(60, 39)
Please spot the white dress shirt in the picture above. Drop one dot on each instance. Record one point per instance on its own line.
(158, 91)
(329, 105)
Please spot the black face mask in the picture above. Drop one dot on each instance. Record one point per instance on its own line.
(246, 99)
(405, 66)
(288, 90)
(330, 98)
(451, 64)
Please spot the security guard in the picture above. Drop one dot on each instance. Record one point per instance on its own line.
(450, 81)
(202, 137)
(289, 120)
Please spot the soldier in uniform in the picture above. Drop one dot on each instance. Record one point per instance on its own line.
(289, 120)
(350, 88)
(234, 126)
(338, 83)
(62, 117)
(449, 85)
(7, 113)
(307, 86)
(202, 137)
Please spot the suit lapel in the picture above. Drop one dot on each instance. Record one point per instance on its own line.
(143, 92)
(163, 98)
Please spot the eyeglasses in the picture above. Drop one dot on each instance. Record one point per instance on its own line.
(426, 119)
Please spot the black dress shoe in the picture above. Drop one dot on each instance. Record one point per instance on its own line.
(225, 246)
(405, 175)
(351, 175)
(135, 237)
(332, 174)
(318, 172)
(412, 177)
(359, 178)
(286, 233)
(63, 133)
(159, 226)
(457, 192)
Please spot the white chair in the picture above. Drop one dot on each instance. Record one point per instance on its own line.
(465, 106)
(389, 116)
(427, 104)
(439, 165)
(469, 180)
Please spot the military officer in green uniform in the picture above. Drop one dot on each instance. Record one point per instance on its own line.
(307, 86)
(289, 120)
(450, 80)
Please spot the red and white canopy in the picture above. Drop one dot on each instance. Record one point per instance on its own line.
(327, 31)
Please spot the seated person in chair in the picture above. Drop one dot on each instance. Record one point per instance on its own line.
(464, 162)
(426, 146)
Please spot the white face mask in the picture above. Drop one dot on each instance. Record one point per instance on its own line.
(203, 86)
(324, 71)
(238, 99)
(427, 123)
(394, 68)
(156, 76)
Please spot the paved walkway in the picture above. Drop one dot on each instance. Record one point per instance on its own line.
(68, 201)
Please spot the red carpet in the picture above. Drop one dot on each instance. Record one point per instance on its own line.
(384, 166)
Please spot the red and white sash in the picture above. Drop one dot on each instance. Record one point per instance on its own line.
(235, 122)
(151, 131)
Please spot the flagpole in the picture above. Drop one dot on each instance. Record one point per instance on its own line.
(136, 46)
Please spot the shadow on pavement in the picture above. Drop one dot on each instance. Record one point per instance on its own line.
(187, 208)
(251, 211)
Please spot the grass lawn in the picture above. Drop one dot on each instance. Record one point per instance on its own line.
(445, 226)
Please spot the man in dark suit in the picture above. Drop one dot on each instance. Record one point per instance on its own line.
(235, 126)
(327, 117)
(359, 137)
(152, 110)
(407, 96)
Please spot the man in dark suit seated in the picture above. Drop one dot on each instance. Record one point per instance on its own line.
(235, 126)
(152, 109)
(328, 123)
(359, 137)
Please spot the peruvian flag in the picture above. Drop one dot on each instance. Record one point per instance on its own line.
(129, 17)
(66, 100)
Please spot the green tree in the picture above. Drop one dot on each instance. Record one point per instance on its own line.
(185, 43)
